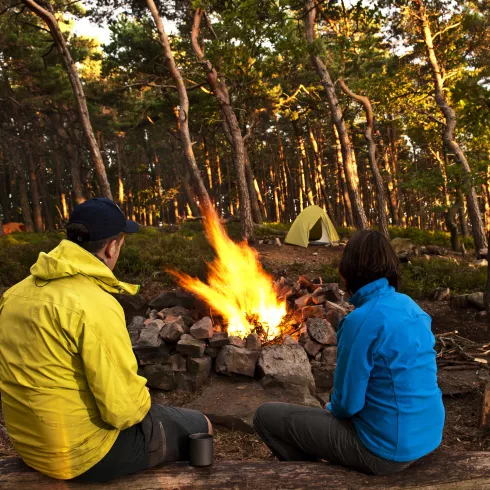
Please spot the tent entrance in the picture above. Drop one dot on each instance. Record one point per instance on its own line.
(319, 234)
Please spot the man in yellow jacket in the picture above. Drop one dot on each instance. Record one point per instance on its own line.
(73, 403)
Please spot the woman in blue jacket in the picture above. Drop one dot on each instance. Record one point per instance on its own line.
(386, 409)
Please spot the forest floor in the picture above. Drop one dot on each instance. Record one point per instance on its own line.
(462, 430)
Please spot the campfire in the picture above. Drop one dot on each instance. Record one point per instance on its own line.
(237, 286)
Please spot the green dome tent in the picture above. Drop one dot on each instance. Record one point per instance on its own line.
(312, 227)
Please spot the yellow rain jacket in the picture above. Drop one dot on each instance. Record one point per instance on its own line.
(68, 376)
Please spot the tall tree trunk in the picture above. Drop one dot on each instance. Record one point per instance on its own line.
(337, 117)
(304, 177)
(36, 200)
(373, 161)
(183, 125)
(348, 215)
(4, 195)
(452, 226)
(448, 136)
(220, 90)
(48, 16)
(120, 181)
(24, 200)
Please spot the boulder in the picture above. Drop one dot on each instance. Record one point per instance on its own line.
(460, 301)
(190, 382)
(403, 246)
(212, 351)
(152, 355)
(303, 301)
(312, 312)
(482, 263)
(341, 309)
(237, 342)
(133, 305)
(323, 375)
(285, 365)
(219, 339)
(312, 348)
(173, 329)
(253, 342)
(160, 376)
(176, 311)
(150, 334)
(236, 360)
(435, 250)
(288, 340)
(203, 329)
(321, 331)
(179, 362)
(135, 327)
(333, 317)
(199, 365)
(477, 300)
(191, 348)
(329, 356)
(442, 294)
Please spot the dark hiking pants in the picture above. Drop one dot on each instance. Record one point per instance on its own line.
(299, 433)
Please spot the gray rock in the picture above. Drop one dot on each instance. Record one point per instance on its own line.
(329, 356)
(179, 363)
(212, 351)
(219, 339)
(253, 342)
(177, 311)
(150, 334)
(237, 342)
(285, 365)
(442, 294)
(477, 300)
(153, 315)
(235, 360)
(203, 329)
(343, 310)
(403, 246)
(133, 305)
(135, 327)
(187, 336)
(190, 382)
(173, 329)
(333, 317)
(312, 312)
(152, 355)
(199, 366)
(160, 376)
(323, 375)
(460, 301)
(191, 348)
(288, 340)
(321, 331)
(312, 348)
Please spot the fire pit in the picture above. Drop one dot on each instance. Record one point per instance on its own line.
(240, 323)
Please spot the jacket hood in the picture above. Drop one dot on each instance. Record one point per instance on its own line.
(69, 259)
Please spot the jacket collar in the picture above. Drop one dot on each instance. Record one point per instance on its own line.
(371, 290)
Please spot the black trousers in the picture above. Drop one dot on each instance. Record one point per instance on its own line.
(162, 436)
(299, 433)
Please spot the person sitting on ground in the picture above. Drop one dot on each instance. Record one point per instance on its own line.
(386, 408)
(73, 402)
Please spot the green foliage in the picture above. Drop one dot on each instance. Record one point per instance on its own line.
(420, 278)
(428, 237)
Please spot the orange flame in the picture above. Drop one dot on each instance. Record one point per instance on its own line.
(238, 287)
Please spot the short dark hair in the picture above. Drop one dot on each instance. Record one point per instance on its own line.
(79, 234)
(368, 257)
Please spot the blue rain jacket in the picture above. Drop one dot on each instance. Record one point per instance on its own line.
(386, 375)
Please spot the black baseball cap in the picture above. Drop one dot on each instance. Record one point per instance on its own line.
(103, 219)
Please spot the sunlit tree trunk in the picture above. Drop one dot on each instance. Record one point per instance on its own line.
(373, 160)
(46, 13)
(337, 117)
(220, 90)
(448, 136)
(348, 215)
(120, 181)
(183, 119)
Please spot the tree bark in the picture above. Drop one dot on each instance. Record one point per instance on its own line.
(452, 226)
(358, 212)
(47, 15)
(183, 116)
(448, 135)
(373, 160)
(24, 199)
(4, 199)
(220, 90)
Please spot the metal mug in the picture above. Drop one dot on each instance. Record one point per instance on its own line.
(201, 449)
